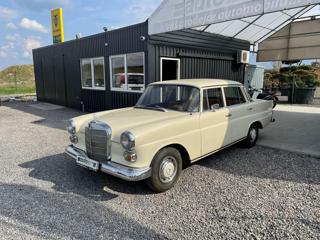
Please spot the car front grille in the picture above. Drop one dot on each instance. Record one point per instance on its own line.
(98, 141)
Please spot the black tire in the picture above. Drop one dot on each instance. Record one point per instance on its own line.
(252, 137)
(162, 167)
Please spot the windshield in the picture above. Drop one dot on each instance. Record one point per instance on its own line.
(171, 97)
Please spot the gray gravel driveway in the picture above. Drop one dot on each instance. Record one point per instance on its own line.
(236, 194)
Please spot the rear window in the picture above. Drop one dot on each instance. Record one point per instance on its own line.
(234, 96)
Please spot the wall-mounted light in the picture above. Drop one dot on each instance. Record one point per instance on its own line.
(106, 44)
(142, 38)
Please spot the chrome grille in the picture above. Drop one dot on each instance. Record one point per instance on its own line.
(98, 141)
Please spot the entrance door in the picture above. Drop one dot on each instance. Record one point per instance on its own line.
(170, 69)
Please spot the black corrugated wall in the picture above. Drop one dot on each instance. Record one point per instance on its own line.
(58, 75)
(202, 55)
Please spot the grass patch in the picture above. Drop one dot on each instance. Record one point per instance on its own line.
(19, 90)
(17, 79)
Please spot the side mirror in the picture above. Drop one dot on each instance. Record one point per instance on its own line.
(214, 107)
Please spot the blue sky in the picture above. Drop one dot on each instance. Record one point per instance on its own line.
(26, 24)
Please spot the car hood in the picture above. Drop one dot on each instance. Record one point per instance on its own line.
(127, 119)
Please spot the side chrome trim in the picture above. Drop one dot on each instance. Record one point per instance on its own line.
(114, 169)
(220, 149)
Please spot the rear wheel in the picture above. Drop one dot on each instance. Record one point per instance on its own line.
(252, 137)
(166, 170)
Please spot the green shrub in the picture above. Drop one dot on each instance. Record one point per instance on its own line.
(306, 67)
(304, 76)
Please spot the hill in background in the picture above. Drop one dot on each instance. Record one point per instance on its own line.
(17, 79)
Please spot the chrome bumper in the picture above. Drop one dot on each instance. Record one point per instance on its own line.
(114, 169)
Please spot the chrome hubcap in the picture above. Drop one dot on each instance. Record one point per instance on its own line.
(253, 134)
(168, 169)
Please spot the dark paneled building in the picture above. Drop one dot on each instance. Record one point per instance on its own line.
(111, 69)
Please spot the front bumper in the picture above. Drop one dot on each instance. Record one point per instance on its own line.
(114, 169)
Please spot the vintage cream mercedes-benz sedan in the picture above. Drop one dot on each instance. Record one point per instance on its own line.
(174, 123)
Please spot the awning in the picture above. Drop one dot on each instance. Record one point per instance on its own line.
(297, 40)
(250, 20)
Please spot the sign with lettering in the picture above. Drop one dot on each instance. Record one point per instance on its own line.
(57, 26)
(183, 14)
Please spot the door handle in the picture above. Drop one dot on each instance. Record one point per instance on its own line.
(229, 115)
(250, 109)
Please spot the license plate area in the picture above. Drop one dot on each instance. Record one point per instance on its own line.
(88, 163)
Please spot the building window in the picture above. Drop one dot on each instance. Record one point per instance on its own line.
(118, 73)
(92, 73)
(127, 72)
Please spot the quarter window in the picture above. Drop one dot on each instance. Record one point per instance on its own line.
(127, 72)
(234, 96)
(212, 99)
(92, 73)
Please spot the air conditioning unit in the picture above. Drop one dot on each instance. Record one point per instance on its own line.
(243, 57)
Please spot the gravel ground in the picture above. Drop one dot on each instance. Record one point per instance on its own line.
(236, 194)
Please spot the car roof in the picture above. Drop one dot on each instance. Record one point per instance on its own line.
(199, 83)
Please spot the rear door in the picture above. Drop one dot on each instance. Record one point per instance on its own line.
(214, 125)
(239, 112)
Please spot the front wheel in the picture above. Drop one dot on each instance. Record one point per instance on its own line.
(252, 137)
(166, 169)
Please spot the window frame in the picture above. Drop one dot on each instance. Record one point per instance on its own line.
(92, 74)
(241, 90)
(126, 73)
(222, 95)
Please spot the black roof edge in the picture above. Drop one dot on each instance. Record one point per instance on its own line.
(90, 36)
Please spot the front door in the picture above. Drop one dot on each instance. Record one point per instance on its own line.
(214, 125)
(170, 69)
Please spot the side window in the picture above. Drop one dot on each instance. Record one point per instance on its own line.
(234, 96)
(212, 99)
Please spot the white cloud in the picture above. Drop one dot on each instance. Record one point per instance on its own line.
(30, 43)
(12, 37)
(11, 26)
(7, 13)
(90, 9)
(3, 54)
(5, 49)
(142, 9)
(33, 25)
(42, 5)
(26, 54)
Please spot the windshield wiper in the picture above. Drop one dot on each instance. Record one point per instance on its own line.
(156, 108)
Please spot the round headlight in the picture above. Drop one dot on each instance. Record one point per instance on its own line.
(71, 127)
(127, 140)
